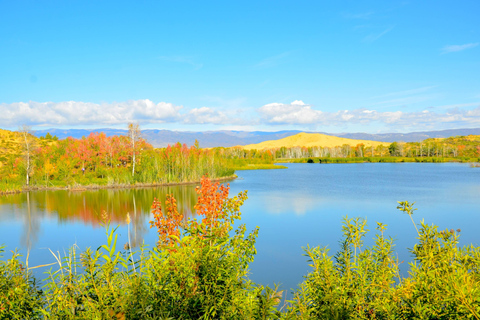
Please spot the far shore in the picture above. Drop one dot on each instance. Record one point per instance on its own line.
(79, 188)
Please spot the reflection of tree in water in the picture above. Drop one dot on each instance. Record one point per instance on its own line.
(87, 207)
(31, 224)
(23, 207)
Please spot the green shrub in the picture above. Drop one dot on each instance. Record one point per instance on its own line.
(20, 296)
(364, 282)
(355, 283)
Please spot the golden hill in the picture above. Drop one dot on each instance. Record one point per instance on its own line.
(311, 140)
(11, 144)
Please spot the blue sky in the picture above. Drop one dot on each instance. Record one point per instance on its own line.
(331, 66)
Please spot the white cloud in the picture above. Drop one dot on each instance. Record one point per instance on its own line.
(298, 103)
(205, 115)
(77, 113)
(456, 48)
(474, 113)
(295, 113)
(73, 113)
(303, 114)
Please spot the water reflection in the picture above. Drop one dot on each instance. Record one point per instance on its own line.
(277, 203)
(32, 226)
(31, 209)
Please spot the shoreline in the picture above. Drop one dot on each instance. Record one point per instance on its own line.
(377, 160)
(80, 188)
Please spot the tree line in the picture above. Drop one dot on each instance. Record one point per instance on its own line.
(101, 160)
(453, 147)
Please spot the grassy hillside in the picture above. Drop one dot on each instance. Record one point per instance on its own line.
(311, 140)
(12, 143)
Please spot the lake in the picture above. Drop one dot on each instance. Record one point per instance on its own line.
(293, 207)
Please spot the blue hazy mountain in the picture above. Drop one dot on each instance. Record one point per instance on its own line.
(224, 138)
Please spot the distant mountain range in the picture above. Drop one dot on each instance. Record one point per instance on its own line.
(162, 138)
(225, 138)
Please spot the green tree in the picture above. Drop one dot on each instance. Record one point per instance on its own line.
(394, 149)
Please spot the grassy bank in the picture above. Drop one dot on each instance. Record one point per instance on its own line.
(259, 166)
(378, 160)
(199, 269)
(79, 187)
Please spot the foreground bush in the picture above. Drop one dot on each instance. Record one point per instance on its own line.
(20, 297)
(199, 270)
(364, 283)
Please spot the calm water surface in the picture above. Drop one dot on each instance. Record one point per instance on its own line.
(301, 205)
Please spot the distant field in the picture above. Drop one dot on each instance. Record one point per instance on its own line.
(312, 140)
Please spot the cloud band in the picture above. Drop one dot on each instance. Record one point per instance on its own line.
(296, 114)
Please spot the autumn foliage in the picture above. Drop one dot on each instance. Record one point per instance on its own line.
(210, 205)
(215, 213)
(101, 160)
(202, 266)
(167, 222)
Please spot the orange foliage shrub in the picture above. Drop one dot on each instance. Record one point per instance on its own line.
(215, 211)
(210, 204)
(168, 223)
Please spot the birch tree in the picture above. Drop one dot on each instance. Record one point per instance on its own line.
(28, 144)
(134, 135)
